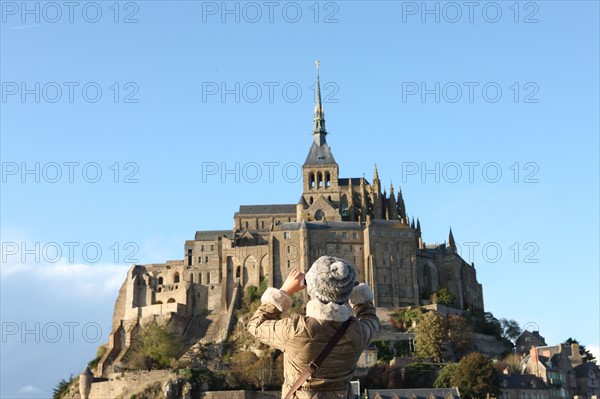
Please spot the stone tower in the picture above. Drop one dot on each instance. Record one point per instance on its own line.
(320, 171)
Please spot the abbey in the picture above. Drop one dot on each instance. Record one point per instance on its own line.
(347, 217)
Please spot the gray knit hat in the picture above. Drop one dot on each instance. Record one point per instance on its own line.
(330, 279)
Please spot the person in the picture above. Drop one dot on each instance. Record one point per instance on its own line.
(334, 295)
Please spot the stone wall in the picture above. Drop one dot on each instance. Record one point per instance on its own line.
(126, 384)
(241, 395)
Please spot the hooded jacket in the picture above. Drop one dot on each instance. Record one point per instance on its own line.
(301, 338)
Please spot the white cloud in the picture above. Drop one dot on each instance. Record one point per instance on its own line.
(29, 389)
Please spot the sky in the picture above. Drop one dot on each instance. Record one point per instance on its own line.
(127, 126)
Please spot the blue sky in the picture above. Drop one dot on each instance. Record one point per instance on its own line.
(486, 118)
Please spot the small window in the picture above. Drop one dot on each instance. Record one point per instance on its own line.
(354, 235)
(202, 248)
(160, 281)
(212, 248)
(262, 224)
(289, 263)
(208, 278)
(289, 249)
(176, 278)
(199, 259)
(345, 234)
(334, 235)
(247, 224)
(286, 235)
(206, 259)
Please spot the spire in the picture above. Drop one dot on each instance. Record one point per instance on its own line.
(393, 208)
(375, 174)
(401, 207)
(418, 227)
(412, 223)
(319, 130)
(451, 242)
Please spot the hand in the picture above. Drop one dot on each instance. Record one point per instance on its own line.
(293, 282)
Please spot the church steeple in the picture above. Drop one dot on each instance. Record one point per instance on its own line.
(451, 242)
(319, 130)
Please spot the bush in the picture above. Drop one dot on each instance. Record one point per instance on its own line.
(154, 347)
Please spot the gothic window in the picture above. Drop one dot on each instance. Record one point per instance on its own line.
(319, 179)
(311, 180)
(327, 180)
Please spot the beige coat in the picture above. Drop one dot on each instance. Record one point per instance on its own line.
(302, 338)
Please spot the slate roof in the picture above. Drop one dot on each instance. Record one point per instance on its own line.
(583, 370)
(274, 209)
(209, 235)
(521, 381)
(416, 393)
(319, 155)
(343, 182)
(320, 225)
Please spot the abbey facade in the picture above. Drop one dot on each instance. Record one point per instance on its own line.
(347, 217)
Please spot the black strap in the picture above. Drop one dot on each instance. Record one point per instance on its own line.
(313, 366)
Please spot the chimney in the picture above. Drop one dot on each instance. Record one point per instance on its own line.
(533, 355)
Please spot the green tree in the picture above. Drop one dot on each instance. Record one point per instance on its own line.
(404, 318)
(443, 296)
(384, 353)
(460, 335)
(431, 334)
(586, 355)
(62, 388)
(510, 329)
(444, 378)
(153, 347)
(475, 377)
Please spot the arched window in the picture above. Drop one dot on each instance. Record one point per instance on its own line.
(208, 278)
(319, 179)
(158, 303)
(171, 300)
(176, 277)
(327, 180)
(310, 202)
(311, 180)
(160, 281)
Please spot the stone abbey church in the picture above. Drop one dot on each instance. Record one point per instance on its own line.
(346, 217)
